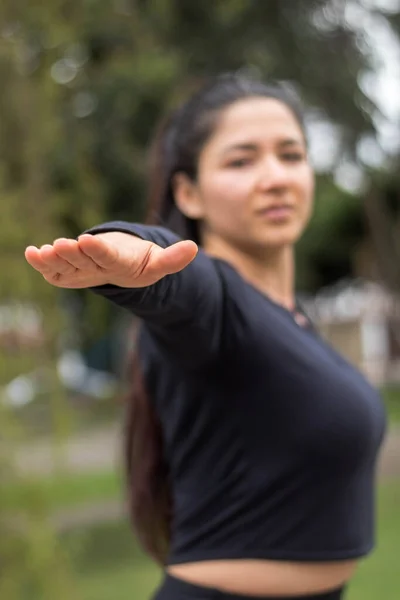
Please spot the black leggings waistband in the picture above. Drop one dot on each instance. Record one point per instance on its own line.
(173, 588)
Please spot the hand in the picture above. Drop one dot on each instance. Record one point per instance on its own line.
(113, 258)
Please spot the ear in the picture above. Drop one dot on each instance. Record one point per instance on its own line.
(187, 196)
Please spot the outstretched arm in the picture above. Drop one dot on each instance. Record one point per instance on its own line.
(150, 272)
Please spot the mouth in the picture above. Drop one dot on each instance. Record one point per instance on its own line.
(276, 212)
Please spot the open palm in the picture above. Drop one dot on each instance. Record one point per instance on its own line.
(108, 258)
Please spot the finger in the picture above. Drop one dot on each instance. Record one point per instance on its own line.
(172, 259)
(71, 251)
(32, 255)
(98, 250)
(55, 262)
(64, 281)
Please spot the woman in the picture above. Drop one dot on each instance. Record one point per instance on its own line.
(252, 444)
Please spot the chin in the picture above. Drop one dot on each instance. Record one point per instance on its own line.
(281, 239)
(276, 242)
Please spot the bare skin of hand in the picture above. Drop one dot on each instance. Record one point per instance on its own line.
(108, 258)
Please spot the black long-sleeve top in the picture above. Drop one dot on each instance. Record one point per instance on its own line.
(271, 437)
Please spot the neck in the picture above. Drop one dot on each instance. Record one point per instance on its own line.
(270, 271)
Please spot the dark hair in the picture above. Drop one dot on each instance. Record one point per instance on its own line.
(176, 148)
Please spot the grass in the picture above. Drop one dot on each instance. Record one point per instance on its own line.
(64, 490)
(111, 565)
(391, 397)
(379, 576)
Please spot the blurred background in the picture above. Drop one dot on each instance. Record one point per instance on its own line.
(83, 84)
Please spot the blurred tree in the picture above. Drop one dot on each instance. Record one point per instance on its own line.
(326, 251)
(382, 207)
(32, 562)
(132, 60)
(109, 68)
(382, 199)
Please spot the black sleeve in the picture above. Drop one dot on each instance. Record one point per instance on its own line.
(183, 311)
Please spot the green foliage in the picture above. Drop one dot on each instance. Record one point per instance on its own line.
(32, 561)
(83, 84)
(86, 82)
(332, 237)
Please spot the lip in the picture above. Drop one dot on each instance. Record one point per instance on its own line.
(277, 211)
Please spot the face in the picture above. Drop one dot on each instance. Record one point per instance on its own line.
(255, 185)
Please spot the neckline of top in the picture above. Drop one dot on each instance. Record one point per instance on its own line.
(292, 314)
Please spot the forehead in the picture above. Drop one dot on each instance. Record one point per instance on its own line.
(261, 119)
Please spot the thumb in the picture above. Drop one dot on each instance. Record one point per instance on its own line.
(165, 261)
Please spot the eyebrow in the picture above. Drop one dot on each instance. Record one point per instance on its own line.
(291, 142)
(254, 147)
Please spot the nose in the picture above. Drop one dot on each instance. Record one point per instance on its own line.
(273, 176)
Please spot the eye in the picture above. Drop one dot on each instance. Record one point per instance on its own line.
(239, 163)
(293, 156)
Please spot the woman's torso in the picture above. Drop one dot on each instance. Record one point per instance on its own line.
(266, 578)
(271, 451)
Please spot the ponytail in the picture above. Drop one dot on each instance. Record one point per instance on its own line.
(149, 494)
(147, 474)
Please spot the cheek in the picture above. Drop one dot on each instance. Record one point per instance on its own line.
(306, 192)
(223, 192)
